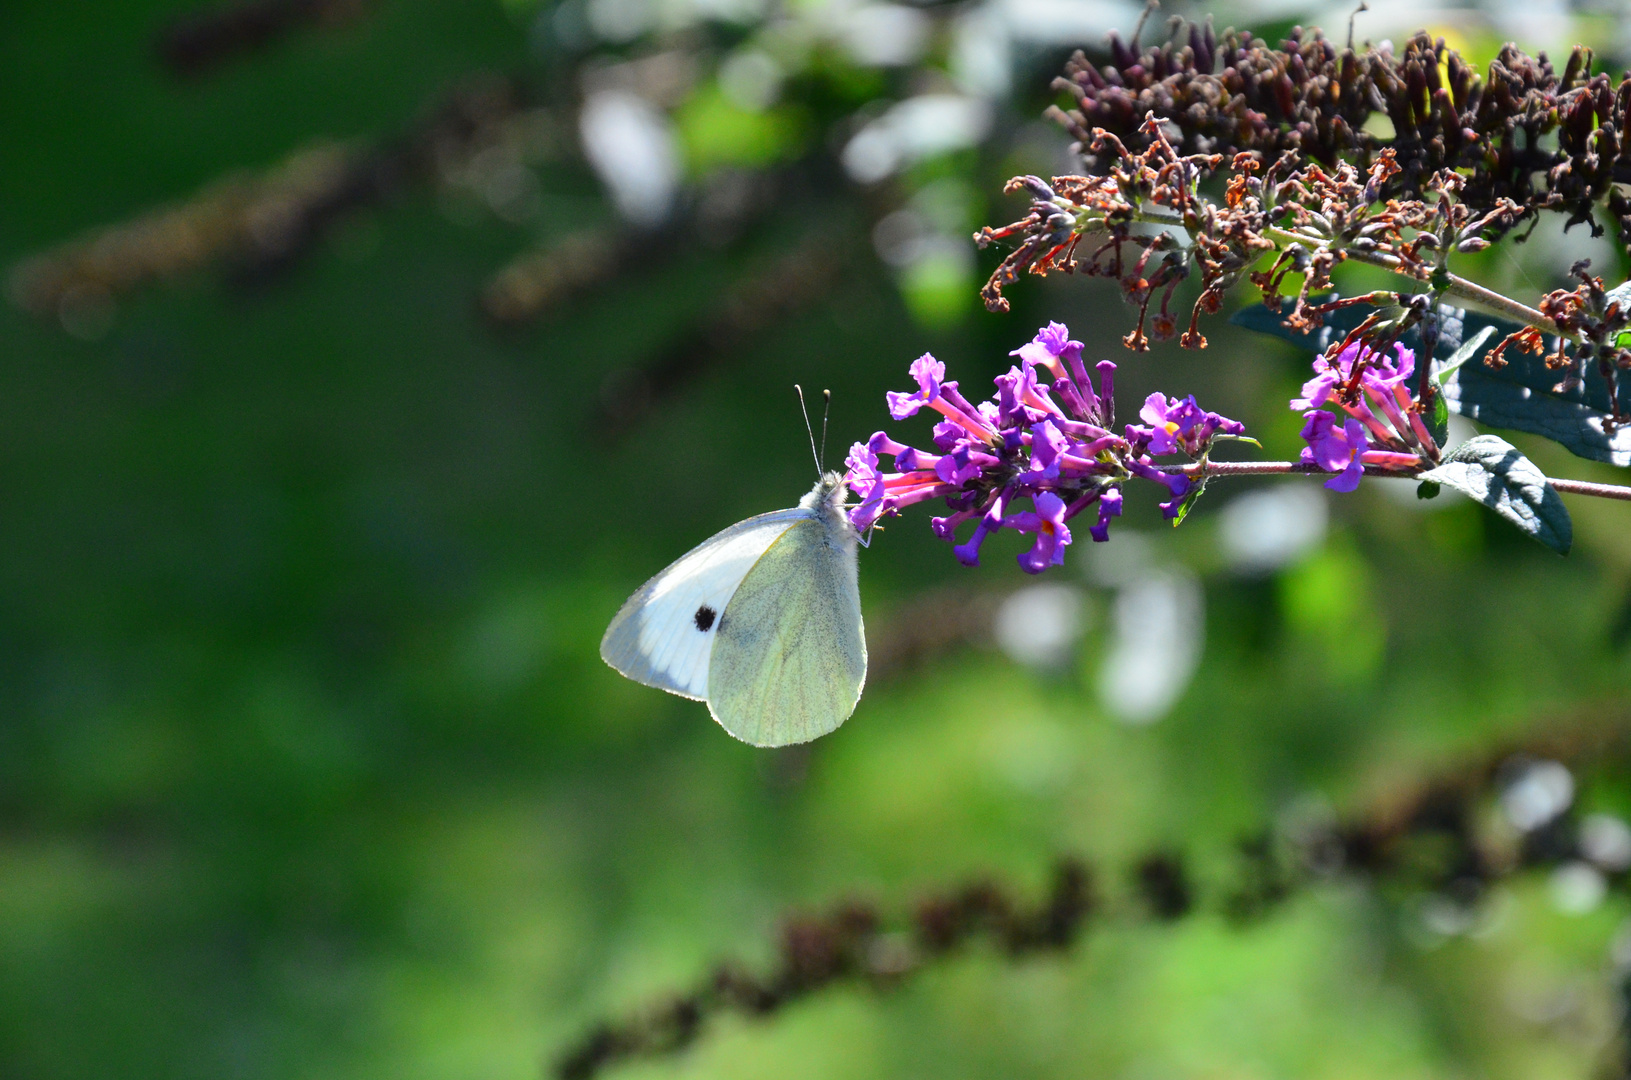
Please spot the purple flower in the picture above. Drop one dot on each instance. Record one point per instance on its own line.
(961, 465)
(1316, 391)
(1048, 444)
(881, 443)
(1374, 391)
(1021, 399)
(1378, 373)
(1051, 349)
(1052, 534)
(969, 554)
(864, 479)
(882, 494)
(946, 527)
(1381, 374)
(949, 436)
(1109, 507)
(1176, 483)
(1335, 450)
(1169, 420)
(929, 373)
(1045, 438)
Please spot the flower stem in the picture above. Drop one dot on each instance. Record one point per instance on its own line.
(1601, 491)
(1473, 293)
(1455, 285)
(1210, 469)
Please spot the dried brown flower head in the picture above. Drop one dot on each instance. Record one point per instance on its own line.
(1524, 133)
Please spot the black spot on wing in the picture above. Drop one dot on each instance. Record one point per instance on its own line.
(704, 618)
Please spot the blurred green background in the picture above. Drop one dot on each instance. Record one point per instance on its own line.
(309, 766)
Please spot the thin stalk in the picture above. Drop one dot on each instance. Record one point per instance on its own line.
(1601, 491)
(1198, 471)
(1455, 285)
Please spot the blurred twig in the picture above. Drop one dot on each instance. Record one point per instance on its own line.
(1428, 835)
(203, 41)
(773, 290)
(479, 146)
(544, 277)
(854, 941)
(259, 224)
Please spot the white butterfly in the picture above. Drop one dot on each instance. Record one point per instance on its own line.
(761, 621)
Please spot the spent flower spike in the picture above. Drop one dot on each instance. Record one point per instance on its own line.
(1045, 437)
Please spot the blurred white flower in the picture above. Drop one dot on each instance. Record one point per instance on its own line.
(990, 39)
(1446, 917)
(1159, 626)
(1577, 888)
(682, 13)
(1128, 559)
(1067, 22)
(631, 145)
(1539, 794)
(1539, 24)
(751, 80)
(981, 59)
(1039, 625)
(914, 130)
(898, 237)
(1606, 841)
(620, 20)
(885, 35)
(936, 220)
(1266, 529)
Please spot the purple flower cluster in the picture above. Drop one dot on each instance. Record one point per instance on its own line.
(1045, 436)
(1383, 425)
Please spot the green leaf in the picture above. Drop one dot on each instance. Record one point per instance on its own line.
(1468, 350)
(1188, 504)
(1621, 294)
(1260, 318)
(1226, 437)
(1441, 406)
(1480, 394)
(1492, 471)
(1523, 395)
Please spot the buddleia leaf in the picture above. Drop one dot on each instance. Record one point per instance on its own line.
(1188, 504)
(1480, 394)
(1492, 471)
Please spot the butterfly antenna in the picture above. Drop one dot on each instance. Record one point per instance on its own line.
(800, 391)
(826, 411)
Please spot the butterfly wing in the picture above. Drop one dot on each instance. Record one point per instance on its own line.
(790, 657)
(664, 635)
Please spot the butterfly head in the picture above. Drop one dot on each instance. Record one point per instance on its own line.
(830, 492)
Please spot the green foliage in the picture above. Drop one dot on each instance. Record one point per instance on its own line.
(1492, 471)
(716, 132)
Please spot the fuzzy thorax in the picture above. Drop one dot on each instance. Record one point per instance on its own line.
(830, 492)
